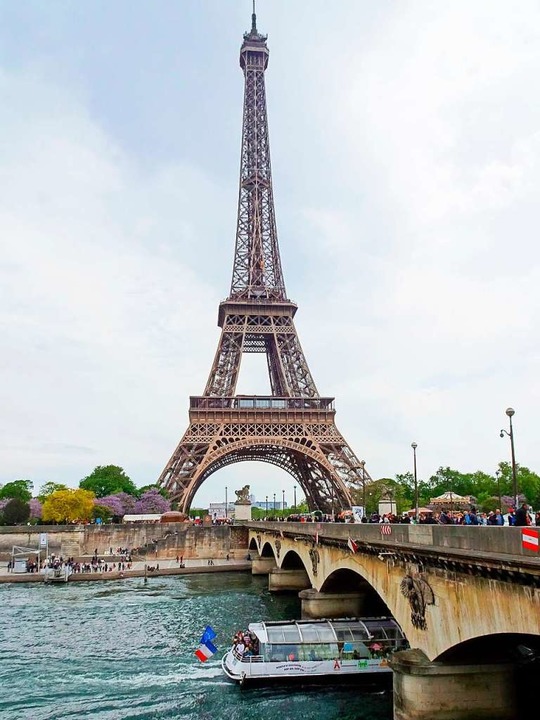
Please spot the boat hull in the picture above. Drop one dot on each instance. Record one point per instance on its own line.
(251, 673)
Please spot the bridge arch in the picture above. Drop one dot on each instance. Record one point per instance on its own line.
(292, 561)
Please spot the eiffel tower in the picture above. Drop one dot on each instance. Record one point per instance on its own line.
(294, 427)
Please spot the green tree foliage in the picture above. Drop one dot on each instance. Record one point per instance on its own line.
(48, 488)
(20, 489)
(485, 488)
(108, 480)
(16, 511)
(67, 506)
(102, 512)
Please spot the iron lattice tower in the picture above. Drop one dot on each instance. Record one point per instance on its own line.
(294, 427)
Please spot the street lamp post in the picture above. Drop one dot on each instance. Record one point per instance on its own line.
(283, 502)
(511, 412)
(362, 465)
(274, 504)
(294, 491)
(414, 446)
(267, 506)
(226, 505)
(498, 477)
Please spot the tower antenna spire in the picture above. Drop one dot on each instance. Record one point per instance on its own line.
(254, 19)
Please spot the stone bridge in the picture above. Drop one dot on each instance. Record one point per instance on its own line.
(467, 598)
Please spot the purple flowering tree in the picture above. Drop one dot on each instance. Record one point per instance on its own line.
(112, 503)
(152, 502)
(128, 502)
(35, 509)
(119, 504)
(3, 503)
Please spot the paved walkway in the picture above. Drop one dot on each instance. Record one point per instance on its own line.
(167, 566)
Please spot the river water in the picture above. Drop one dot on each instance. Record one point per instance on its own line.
(120, 650)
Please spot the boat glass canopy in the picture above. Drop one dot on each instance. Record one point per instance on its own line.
(326, 631)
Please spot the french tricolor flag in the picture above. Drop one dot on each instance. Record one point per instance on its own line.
(529, 539)
(205, 651)
(206, 648)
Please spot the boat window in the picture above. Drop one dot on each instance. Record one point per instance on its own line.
(283, 633)
(346, 631)
(312, 633)
(281, 653)
(355, 651)
(319, 651)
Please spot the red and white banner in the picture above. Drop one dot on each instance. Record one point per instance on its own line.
(529, 539)
(353, 547)
(386, 529)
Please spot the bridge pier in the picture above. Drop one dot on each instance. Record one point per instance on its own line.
(262, 565)
(280, 580)
(316, 604)
(425, 690)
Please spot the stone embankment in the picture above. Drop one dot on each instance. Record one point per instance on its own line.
(148, 544)
(167, 540)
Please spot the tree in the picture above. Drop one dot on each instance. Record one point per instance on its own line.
(152, 502)
(35, 509)
(21, 489)
(15, 512)
(66, 506)
(102, 512)
(153, 486)
(114, 505)
(108, 480)
(48, 488)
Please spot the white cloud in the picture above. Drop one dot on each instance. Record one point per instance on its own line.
(406, 157)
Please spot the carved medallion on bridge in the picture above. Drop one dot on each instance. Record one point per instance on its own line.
(278, 548)
(419, 594)
(259, 543)
(315, 559)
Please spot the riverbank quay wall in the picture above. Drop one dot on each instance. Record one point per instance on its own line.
(164, 540)
(466, 598)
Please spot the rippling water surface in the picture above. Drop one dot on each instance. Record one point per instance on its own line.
(118, 650)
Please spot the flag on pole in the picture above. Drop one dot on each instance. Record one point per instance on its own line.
(353, 547)
(206, 647)
(529, 539)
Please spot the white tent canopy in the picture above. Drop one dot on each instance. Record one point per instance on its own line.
(449, 497)
(148, 517)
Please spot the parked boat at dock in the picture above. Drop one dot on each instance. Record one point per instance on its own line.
(313, 649)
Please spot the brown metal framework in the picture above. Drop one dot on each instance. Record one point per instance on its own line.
(294, 428)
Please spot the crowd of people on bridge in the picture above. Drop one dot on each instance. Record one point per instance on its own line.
(520, 517)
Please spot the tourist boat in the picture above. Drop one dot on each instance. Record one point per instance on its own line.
(313, 649)
(56, 574)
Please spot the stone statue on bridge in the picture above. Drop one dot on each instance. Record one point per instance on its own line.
(242, 504)
(242, 496)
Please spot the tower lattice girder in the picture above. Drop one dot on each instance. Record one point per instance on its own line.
(293, 428)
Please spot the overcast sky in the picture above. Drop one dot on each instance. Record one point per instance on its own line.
(405, 141)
